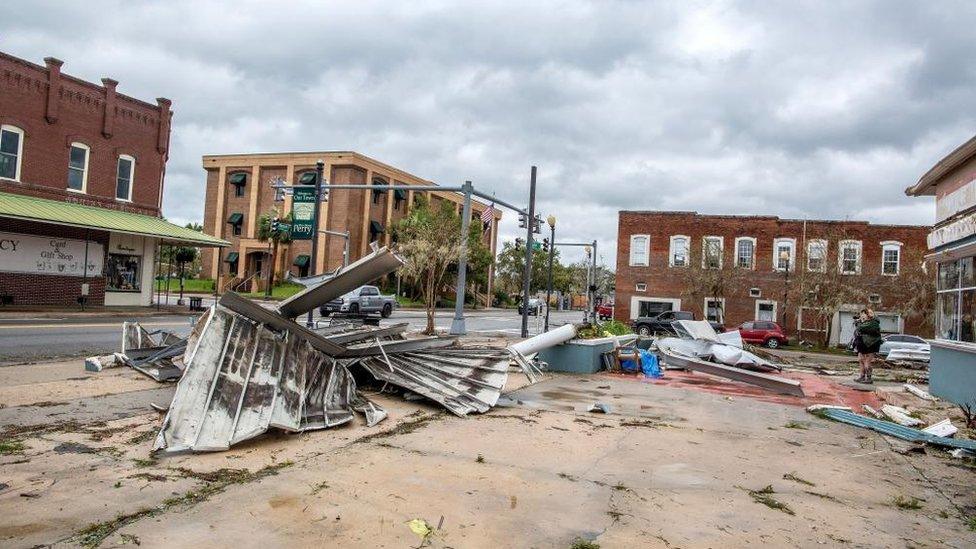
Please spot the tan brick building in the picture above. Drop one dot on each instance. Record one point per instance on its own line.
(239, 191)
(770, 263)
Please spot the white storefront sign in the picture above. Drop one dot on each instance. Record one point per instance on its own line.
(23, 253)
(957, 201)
(957, 230)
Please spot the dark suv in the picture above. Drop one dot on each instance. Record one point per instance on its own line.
(661, 323)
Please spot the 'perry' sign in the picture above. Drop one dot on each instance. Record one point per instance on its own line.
(302, 212)
(24, 253)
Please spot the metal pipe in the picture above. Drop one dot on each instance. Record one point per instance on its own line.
(457, 326)
(593, 287)
(84, 272)
(527, 272)
(478, 194)
(319, 169)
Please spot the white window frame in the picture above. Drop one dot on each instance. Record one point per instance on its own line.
(752, 262)
(887, 246)
(636, 300)
(755, 292)
(673, 247)
(132, 176)
(822, 245)
(84, 172)
(646, 247)
(841, 246)
(776, 244)
(721, 250)
(721, 300)
(640, 287)
(774, 303)
(20, 148)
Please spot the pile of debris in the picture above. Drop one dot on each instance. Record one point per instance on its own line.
(245, 369)
(700, 348)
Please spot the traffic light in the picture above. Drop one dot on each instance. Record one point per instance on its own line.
(545, 244)
(518, 243)
(522, 217)
(275, 224)
(537, 224)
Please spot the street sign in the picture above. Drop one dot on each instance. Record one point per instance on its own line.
(284, 227)
(302, 210)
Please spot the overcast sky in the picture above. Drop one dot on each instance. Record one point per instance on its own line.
(797, 109)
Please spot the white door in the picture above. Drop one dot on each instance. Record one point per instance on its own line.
(846, 321)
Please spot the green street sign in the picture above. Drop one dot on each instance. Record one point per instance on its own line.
(284, 227)
(302, 210)
(536, 246)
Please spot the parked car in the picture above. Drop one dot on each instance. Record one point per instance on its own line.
(535, 306)
(605, 312)
(763, 332)
(361, 301)
(661, 323)
(902, 341)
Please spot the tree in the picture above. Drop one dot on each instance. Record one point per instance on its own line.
(708, 275)
(480, 260)
(509, 270)
(429, 241)
(276, 235)
(915, 289)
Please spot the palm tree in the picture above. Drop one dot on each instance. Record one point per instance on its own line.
(282, 234)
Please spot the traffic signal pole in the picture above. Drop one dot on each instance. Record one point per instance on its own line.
(319, 169)
(457, 325)
(527, 273)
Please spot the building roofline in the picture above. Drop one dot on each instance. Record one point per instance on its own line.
(771, 218)
(77, 80)
(926, 184)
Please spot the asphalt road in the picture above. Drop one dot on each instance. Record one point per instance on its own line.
(35, 339)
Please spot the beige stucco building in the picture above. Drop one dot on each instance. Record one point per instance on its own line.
(239, 192)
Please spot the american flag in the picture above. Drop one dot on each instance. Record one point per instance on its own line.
(487, 217)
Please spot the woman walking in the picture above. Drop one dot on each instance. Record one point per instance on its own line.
(867, 341)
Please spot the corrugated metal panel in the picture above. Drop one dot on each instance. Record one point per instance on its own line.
(77, 215)
(895, 430)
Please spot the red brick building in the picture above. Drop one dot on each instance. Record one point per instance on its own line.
(81, 184)
(767, 268)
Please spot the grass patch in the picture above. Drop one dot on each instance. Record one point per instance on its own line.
(794, 478)
(142, 437)
(213, 482)
(319, 487)
(971, 523)
(419, 420)
(907, 503)
(797, 425)
(191, 285)
(580, 543)
(479, 459)
(567, 476)
(12, 448)
(822, 496)
(140, 462)
(281, 291)
(765, 497)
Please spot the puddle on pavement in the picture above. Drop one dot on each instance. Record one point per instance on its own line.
(74, 448)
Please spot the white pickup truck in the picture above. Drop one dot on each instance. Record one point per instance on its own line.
(363, 300)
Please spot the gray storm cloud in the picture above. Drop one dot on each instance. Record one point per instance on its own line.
(800, 109)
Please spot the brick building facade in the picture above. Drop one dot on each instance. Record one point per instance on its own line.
(81, 182)
(239, 192)
(764, 267)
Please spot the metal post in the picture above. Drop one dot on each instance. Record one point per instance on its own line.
(345, 251)
(527, 272)
(84, 272)
(593, 287)
(552, 253)
(457, 326)
(319, 168)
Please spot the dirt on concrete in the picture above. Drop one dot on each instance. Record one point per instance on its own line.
(669, 466)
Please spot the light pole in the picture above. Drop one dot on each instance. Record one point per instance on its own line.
(527, 268)
(551, 220)
(319, 168)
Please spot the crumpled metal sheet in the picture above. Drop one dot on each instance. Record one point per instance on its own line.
(243, 378)
(462, 380)
(677, 356)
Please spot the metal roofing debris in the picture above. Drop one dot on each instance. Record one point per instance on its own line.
(675, 358)
(365, 270)
(899, 431)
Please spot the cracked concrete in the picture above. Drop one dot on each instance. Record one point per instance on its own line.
(668, 467)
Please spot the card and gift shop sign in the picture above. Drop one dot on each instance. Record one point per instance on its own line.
(21, 253)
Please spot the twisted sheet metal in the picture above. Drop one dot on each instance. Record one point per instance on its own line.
(895, 430)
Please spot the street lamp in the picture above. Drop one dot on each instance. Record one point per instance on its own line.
(784, 258)
(551, 220)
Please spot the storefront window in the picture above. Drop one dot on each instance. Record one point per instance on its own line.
(948, 315)
(966, 278)
(967, 320)
(123, 273)
(948, 275)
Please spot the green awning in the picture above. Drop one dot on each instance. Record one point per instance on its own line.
(375, 227)
(400, 194)
(231, 257)
(235, 218)
(301, 261)
(238, 179)
(42, 210)
(307, 178)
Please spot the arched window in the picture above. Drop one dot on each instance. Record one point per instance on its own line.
(124, 176)
(78, 167)
(11, 151)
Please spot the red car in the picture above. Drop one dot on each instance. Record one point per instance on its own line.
(763, 332)
(605, 312)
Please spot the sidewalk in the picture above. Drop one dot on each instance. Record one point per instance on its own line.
(16, 312)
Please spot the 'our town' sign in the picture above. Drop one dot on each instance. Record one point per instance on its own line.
(22, 253)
